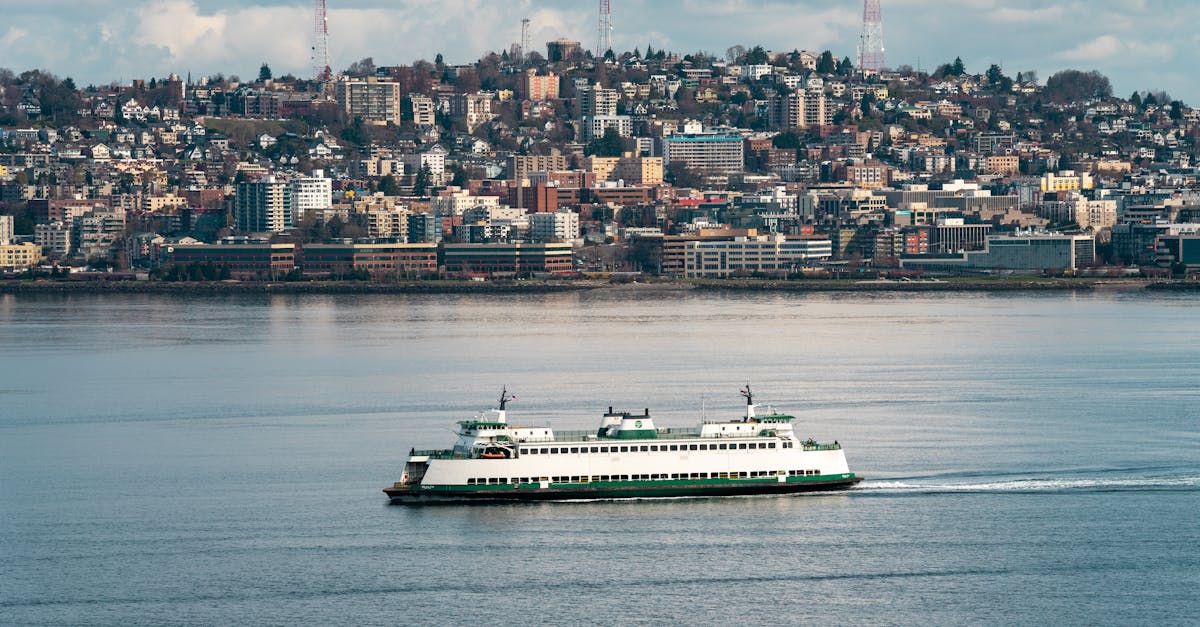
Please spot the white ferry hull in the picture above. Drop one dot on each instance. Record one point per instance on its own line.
(617, 490)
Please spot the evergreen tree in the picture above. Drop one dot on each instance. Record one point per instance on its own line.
(1136, 100)
(423, 180)
(826, 64)
(388, 186)
(264, 73)
(958, 68)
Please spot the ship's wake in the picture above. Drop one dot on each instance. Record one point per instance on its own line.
(1042, 484)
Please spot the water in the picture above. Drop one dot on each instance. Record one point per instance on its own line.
(1031, 459)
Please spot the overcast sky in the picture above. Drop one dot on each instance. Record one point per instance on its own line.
(1139, 44)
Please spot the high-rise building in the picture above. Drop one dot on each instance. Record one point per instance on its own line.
(596, 100)
(799, 109)
(311, 193)
(471, 110)
(423, 110)
(540, 88)
(6, 230)
(424, 228)
(705, 153)
(263, 206)
(562, 225)
(375, 101)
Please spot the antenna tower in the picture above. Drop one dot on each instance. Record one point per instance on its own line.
(604, 29)
(870, 47)
(524, 39)
(320, 47)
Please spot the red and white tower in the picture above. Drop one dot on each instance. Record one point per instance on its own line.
(320, 47)
(604, 29)
(870, 47)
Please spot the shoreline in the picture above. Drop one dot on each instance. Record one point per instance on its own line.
(561, 286)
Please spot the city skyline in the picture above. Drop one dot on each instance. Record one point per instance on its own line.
(102, 41)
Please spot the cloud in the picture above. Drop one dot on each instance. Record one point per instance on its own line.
(1107, 47)
(1011, 14)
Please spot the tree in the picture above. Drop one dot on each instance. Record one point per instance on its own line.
(680, 175)
(362, 67)
(423, 180)
(1074, 85)
(1136, 100)
(958, 68)
(611, 144)
(388, 186)
(264, 73)
(826, 64)
(997, 79)
(846, 67)
(788, 139)
(756, 56)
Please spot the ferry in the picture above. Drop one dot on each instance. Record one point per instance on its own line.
(627, 457)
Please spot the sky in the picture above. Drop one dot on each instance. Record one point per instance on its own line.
(1139, 44)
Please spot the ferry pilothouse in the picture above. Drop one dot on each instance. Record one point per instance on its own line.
(627, 457)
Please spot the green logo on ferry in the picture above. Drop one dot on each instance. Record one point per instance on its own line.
(638, 424)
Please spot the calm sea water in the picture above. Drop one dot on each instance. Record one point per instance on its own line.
(1031, 459)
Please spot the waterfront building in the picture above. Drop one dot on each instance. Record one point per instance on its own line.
(14, 257)
(244, 261)
(508, 258)
(97, 233)
(1019, 253)
(380, 259)
(773, 254)
(6, 230)
(54, 238)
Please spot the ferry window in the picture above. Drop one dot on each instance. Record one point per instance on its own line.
(770, 445)
(471, 481)
(624, 477)
(742, 445)
(624, 449)
(554, 450)
(722, 446)
(654, 447)
(575, 478)
(574, 449)
(645, 448)
(603, 449)
(702, 447)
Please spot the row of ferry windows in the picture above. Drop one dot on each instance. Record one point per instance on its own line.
(654, 447)
(753, 474)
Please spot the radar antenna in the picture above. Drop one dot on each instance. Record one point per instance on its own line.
(504, 397)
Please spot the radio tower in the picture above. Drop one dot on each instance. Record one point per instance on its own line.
(320, 48)
(605, 28)
(524, 39)
(870, 48)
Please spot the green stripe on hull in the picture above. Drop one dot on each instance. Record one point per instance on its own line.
(622, 489)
